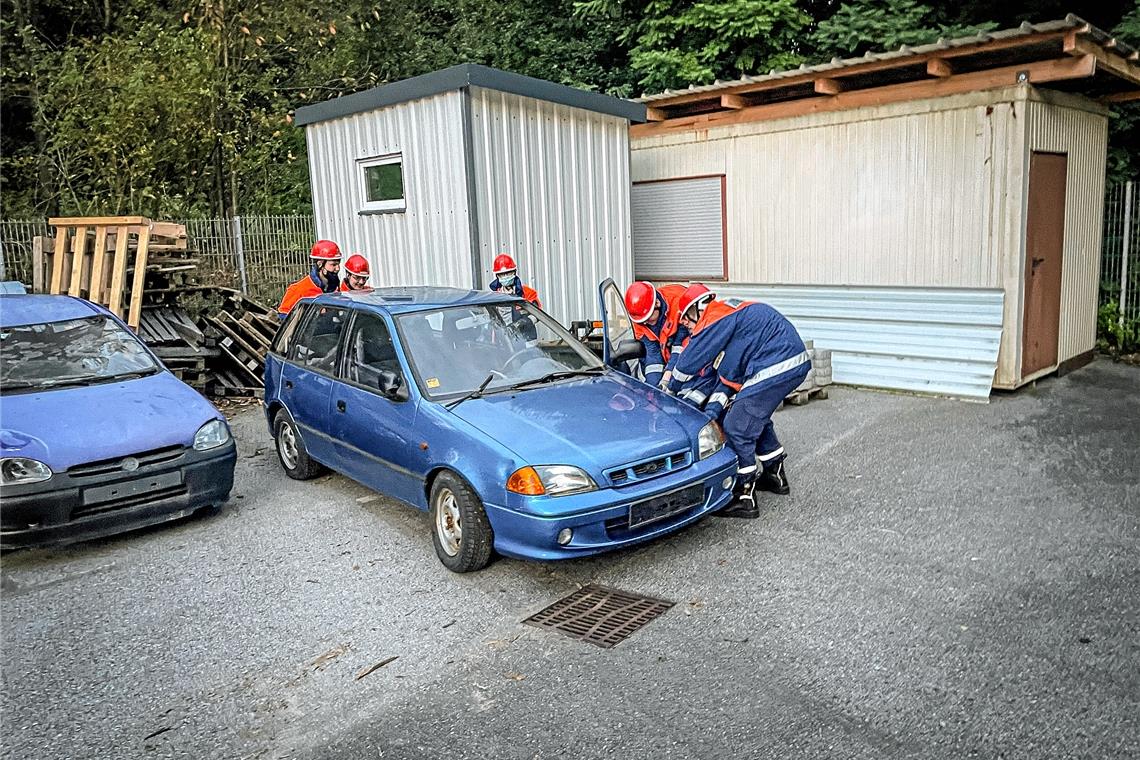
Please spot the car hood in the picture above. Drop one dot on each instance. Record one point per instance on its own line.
(69, 426)
(593, 422)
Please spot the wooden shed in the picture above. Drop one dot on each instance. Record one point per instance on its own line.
(932, 215)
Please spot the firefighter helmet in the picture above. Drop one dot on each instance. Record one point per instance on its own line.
(357, 265)
(640, 298)
(503, 263)
(696, 295)
(325, 250)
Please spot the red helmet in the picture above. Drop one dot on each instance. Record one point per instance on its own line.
(503, 263)
(694, 295)
(358, 265)
(640, 298)
(325, 250)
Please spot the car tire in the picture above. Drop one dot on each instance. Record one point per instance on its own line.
(291, 450)
(461, 532)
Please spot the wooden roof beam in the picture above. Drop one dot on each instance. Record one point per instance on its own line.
(655, 114)
(1027, 40)
(1107, 60)
(939, 67)
(733, 101)
(1122, 97)
(1037, 73)
(828, 86)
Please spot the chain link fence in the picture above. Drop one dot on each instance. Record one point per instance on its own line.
(1120, 250)
(259, 255)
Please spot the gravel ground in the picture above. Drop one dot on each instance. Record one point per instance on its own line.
(948, 579)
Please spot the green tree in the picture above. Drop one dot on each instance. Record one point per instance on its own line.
(883, 25)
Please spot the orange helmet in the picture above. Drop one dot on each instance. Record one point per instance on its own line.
(694, 295)
(325, 250)
(358, 265)
(503, 263)
(640, 298)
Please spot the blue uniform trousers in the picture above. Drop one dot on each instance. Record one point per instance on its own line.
(748, 422)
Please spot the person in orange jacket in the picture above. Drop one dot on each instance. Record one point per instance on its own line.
(697, 309)
(655, 323)
(507, 280)
(324, 277)
(356, 274)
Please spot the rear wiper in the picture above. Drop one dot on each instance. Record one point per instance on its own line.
(473, 394)
(559, 375)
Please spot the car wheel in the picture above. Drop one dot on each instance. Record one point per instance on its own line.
(291, 451)
(460, 530)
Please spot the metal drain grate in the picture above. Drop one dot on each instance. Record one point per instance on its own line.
(602, 616)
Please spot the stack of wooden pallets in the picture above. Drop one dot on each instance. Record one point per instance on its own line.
(818, 378)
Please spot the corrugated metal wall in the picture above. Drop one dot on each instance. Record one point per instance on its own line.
(552, 189)
(929, 340)
(895, 195)
(1059, 128)
(427, 244)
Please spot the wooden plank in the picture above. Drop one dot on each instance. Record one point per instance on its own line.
(939, 67)
(93, 221)
(902, 61)
(1122, 97)
(169, 230)
(236, 337)
(119, 272)
(78, 259)
(1107, 60)
(1044, 71)
(733, 101)
(38, 264)
(98, 266)
(258, 381)
(655, 114)
(140, 277)
(57, 264)
(827, 86)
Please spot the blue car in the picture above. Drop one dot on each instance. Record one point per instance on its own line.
(96, 436)
(484, 411)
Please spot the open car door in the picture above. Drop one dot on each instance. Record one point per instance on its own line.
(618, 341)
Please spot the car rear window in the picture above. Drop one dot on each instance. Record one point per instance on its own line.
(73, 352)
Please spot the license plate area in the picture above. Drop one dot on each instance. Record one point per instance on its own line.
(126, 489)
(661, 507)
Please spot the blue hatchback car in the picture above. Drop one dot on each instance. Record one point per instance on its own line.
(96, 436)
(483, 410)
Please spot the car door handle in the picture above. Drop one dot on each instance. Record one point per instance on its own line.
(289, 384)
(340, 406)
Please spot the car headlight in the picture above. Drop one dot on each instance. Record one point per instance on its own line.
(211, 435)
(551, 480)
(710, 440)
(18, 470)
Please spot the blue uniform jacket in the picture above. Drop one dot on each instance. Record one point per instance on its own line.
(757, 343)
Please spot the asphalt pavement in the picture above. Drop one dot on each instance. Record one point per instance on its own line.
(947, 580)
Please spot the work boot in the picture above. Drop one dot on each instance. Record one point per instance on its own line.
(743, 503)
(774, 479)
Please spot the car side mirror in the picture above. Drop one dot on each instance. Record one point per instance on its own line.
(392, 385)
(628, 349)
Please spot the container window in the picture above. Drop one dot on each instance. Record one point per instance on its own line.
(382, 181)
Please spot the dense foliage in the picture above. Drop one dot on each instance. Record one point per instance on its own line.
(175, 108)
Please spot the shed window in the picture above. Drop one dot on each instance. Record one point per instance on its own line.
(678, 229)
(382, 181)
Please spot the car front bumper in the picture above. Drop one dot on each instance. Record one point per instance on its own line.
(66, 508)
(602, 523)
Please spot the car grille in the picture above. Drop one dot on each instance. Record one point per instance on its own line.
(648, 468)
(145, 459)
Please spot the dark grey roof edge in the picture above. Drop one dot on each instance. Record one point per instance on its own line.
(458, 77)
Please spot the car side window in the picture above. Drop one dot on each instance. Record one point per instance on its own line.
(318, 338)
(281, 343)
(370, 351)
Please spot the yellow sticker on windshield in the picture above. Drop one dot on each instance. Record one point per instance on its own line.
(433, 382)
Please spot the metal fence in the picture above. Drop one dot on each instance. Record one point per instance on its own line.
(1120, 251)
(260, 255)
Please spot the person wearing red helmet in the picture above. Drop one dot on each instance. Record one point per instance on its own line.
(697, 308)
(654, 314)
(507, 280)
(324, 277)
(356, 273)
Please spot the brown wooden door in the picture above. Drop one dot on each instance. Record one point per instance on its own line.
(1044, 243)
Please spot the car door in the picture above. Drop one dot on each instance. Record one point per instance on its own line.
(372, 422)
(617, 327)
(308, 376)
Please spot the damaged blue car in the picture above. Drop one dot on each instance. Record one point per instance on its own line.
(483, 410)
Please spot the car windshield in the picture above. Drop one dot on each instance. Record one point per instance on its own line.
(490, 347)
(73, 352)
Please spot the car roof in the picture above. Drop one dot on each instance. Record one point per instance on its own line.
(410, 299)
(37, 309)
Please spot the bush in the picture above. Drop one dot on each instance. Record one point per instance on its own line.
(1114, 334)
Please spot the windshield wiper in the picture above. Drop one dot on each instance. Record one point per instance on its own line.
(559, 375)
(473, 394)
